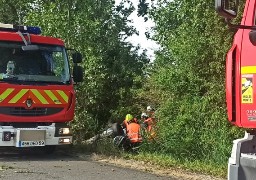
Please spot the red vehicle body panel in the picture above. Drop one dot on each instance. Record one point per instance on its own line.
(13, 36)
(241, 74)
(42, 96)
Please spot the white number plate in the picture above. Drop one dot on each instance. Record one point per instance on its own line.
(31, 143)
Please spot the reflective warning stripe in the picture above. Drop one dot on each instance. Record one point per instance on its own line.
(52, 96)
(39, 96)
(12, 95)
(63, 95)
(6, 93)
(18, 96)
(248, 70)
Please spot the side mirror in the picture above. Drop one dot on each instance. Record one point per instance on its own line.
(78, 73)
(226, 8)
(252, 37)
(77, 57)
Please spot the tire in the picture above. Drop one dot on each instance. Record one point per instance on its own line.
(117, 130)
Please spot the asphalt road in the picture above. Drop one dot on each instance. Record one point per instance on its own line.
(28, 165)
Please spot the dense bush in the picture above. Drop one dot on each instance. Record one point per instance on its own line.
(189, 72)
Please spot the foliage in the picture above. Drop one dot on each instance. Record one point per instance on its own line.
(189, 73)
(14, 12)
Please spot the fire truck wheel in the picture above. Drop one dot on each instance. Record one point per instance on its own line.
(49, 149)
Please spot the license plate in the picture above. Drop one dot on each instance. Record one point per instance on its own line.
(31, 143)
(30, 137)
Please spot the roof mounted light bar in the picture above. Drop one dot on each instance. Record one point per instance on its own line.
(23, 29)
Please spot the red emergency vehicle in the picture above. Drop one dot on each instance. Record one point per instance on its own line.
(240, 87)
(37, 96)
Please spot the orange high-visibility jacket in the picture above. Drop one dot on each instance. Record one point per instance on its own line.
(133, 132)
(150, 122)
(125, 123)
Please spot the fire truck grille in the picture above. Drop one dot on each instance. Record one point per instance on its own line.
(21, 111)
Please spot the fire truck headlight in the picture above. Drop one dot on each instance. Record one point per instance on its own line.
(65, 131)
(64, 141)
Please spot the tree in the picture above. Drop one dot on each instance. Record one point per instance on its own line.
(111, 64)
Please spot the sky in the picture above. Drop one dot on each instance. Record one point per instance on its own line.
(142, 27)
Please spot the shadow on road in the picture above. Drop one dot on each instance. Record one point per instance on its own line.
(35, 154)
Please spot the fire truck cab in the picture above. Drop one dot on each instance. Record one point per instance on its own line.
(240, 87)
(37, 96)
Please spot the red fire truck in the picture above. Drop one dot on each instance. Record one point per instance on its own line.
(37, 96)
(240, 87)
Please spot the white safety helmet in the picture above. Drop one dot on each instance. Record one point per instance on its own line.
(144, 115)
(149, 108)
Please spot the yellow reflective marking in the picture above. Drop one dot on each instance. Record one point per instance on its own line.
(6, 93)
(52, 96)
(39, 96)
(18, 96)
(63, 95)
(248, 70)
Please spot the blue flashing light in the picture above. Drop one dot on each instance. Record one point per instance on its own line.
(23, 29)
(34, 30)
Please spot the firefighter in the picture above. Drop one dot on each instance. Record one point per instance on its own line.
(150, 123)
(133, 130)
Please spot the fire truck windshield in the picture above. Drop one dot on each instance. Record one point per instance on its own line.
(47, 64)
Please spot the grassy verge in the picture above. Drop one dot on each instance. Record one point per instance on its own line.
(105, 147)
(166, 161)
